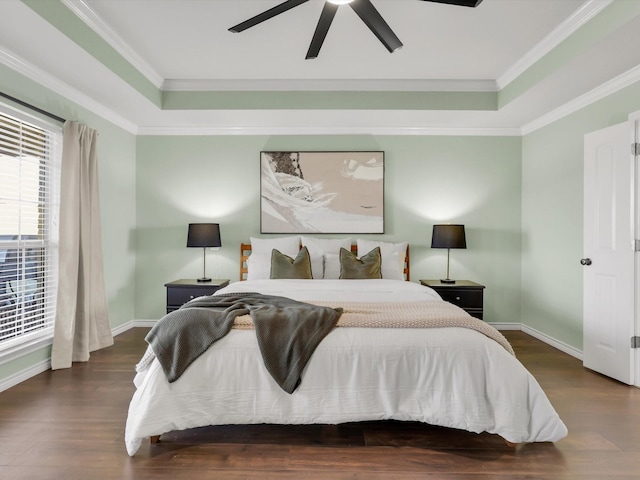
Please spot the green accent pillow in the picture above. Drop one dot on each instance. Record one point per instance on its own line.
(366, 267)
(283, 266)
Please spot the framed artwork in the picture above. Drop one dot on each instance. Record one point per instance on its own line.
(321, 192)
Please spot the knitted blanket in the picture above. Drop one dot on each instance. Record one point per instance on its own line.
(288, 332)
(403, 315)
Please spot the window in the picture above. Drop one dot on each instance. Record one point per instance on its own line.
(30, 154)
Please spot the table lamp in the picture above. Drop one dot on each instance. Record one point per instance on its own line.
(204, 235)
(448, 236)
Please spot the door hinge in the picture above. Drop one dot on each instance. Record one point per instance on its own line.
(635, 342)
(636, 245)
(635, 149)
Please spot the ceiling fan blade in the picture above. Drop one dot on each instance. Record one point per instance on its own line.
(461, 3)
(370, 16)
(326, 17)
(266, 15)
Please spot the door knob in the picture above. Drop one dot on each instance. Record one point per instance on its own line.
(585, 261)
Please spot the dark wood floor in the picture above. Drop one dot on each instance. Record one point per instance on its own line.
(69, 424)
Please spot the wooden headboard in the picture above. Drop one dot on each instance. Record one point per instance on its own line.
(245, 251)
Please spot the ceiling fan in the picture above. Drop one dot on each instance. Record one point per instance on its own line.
(365, 10)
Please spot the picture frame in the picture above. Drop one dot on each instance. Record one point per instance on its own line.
(315, 192)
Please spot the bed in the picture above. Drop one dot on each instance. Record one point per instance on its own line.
(364, 369)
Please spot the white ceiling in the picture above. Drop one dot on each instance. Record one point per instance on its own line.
(190, 39)
(185, 45)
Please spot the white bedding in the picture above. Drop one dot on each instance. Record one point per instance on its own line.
(339, 290)
(451, 377)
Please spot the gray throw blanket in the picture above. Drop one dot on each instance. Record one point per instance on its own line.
(288, 332)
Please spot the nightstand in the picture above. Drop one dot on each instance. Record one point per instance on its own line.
(180, 292)
(465, 294)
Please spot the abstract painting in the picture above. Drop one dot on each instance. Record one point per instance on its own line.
(322, 192)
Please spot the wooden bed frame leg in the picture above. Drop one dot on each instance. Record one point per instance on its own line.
(154, 439)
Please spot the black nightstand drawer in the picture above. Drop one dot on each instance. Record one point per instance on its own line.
(180, 292)
(462, 298)
(179, 296)
(465, 294)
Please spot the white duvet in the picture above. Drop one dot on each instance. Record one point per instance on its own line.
(451, 377)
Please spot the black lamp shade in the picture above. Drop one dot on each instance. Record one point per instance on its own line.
(204, 235)
(448, 236)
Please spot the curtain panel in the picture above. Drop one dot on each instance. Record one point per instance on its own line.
(82, 320)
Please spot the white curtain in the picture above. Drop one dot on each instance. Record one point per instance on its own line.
(82, 320)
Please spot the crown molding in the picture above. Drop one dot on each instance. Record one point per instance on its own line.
(92, 19)
(19, 65)
(335, 130)
(329, 85)
(612, 86)
(47, 80)
(89, 16)
(581, 16)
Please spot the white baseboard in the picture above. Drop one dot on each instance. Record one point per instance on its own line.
(122, 328)
(543, 337)
(26, 374)
(43, 366)
(144, 323)
(132, 324)
(506, 326)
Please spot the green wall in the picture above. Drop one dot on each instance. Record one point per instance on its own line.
(116, 153)
(471, 180)
(552, 216)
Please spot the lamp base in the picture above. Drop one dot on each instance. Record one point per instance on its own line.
(447, 280)
(204, 279)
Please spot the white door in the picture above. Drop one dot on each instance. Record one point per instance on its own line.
(608, 263)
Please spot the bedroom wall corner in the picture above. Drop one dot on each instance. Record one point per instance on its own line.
(552, 216)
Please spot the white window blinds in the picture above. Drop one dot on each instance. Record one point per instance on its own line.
(29, 204)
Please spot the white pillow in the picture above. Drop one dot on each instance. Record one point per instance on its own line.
(332, 266)
(393, 256)
(259, 262)
(317, 260)
(318, 247)
(317, 265)
(288, 245)
(258, 266)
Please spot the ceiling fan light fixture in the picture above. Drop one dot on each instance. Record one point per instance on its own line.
(363, 8)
